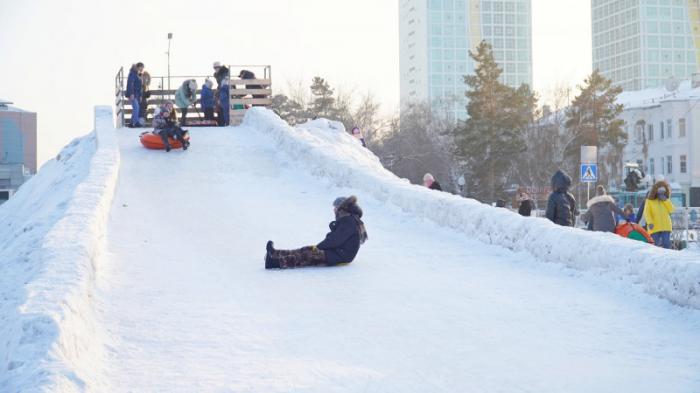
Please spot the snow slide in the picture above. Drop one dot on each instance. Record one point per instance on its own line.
(51, 236)
(188, 306)
(169, 293)
(671, 275)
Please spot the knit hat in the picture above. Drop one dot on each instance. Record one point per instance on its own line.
(338, 201)
(217, 64)
(600, 190)
(209, 83)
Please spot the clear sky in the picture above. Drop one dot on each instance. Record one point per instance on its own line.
(59, 57)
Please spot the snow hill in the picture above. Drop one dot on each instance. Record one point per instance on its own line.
(123, 269)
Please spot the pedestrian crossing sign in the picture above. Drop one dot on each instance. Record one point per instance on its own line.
(589, 173)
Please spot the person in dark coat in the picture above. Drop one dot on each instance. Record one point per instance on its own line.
(340, 245)
(430, 182)
(525, 203)
(145, 95)
(602, 212)
(561, 206)
(134, 91)
(250, 75)
(640, 212)
(206, 100)
(220, 73)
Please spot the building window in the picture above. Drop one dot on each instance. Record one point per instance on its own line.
(651, 166)
(661, 129)
(663, 165)
(681, 128)
(669, 129)
(651, 132)
(669, 165)
(684, 164)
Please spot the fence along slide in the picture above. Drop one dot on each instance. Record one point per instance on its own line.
(245, 93)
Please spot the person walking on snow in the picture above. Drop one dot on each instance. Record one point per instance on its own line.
(561, 206)
(602, 212)
(134, 87)
(340, 245)
(430, 182)
(657, 214)
(207, 99)
(164, 124)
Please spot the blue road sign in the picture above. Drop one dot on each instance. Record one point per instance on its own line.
(589, 173)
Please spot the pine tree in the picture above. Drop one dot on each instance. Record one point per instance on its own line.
(492, 138)
(593, 120)
(323, 102)
(288, 109)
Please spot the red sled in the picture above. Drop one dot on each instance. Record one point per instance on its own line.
(633, 231)
(154, 142)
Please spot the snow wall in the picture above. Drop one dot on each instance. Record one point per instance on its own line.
(51, 235)
(326, 150)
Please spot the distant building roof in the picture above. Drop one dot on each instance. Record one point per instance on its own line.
(5, 106)
(640, 99)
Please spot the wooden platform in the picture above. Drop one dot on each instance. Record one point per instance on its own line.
(244, 93)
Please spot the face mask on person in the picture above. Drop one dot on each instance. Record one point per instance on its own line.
(662, 194)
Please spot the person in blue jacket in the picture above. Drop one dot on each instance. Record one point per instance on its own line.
(207, 99)
(341, 244)
(134, 90)
(224, 103)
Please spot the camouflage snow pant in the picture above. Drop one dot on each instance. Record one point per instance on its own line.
(307, 256)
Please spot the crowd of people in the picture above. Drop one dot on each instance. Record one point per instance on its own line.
(214, 101)
(652, 219)
(604, 215)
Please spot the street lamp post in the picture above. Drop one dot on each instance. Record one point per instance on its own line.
(170, 37)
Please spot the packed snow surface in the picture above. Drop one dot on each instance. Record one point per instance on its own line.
(188, 306)
(166, 291)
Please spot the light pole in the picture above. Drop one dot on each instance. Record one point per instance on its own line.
(170, 37)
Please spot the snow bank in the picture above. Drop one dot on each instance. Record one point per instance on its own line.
(325, 149)
(50, 236)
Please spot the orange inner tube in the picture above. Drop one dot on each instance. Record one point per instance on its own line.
(633, 231)
(152, 141)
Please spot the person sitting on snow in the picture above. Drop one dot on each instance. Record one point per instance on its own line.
(165, 126)
(340, 245)
(185, 96)
(430, 182)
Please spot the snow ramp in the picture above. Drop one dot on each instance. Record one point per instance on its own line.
(51, 236)
(150, 278)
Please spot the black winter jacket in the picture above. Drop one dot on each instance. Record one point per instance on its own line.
(343, 241)
(561, 207)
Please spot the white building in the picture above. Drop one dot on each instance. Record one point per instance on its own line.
(435, 37)
(639, 44)
(663, 126)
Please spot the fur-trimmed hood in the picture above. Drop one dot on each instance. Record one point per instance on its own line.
(653, 194)
(350, 206)
(600, 199)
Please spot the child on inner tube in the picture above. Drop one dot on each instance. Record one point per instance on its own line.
(165, 125)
